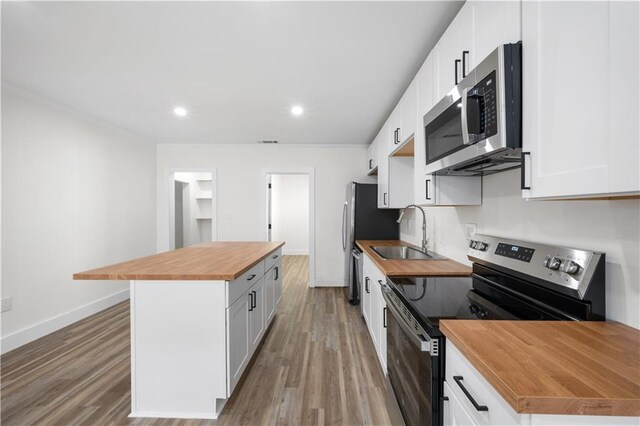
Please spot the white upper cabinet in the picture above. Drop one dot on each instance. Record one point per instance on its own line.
(395, 128)
(624, 98)
(382, 144)
(449, 51)
(494, 23)
(408, 111)
(580, 99)
(372, 157)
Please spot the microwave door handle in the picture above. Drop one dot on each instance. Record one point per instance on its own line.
(463, 117)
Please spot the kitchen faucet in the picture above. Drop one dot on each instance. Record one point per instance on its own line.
(424, 223)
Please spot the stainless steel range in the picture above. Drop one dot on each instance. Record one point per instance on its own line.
(512, 280)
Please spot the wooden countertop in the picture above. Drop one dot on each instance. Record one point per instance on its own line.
(412, 268)
(209, 261)
(555, 367)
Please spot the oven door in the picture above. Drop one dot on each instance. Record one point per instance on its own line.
(413, 367)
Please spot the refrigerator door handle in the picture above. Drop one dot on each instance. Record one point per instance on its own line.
(344, 230)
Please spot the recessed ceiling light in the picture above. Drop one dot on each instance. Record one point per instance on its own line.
(297, 110)
(180, 111)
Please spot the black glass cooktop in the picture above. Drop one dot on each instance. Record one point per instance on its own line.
(432, 299)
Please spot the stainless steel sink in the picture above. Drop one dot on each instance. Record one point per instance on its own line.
(404, 253)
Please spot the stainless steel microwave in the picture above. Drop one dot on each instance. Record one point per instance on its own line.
(477, 128)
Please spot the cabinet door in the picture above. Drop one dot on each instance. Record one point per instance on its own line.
(374, 312)
(454, 413)
(409, 113)
(565, 98)
(624, 86)
(495, 23)
(237, 340)
(456, 39)
(257, 315)
(382, 339)
(372, 156)
(366, 299)
(383, 167)
(269, 293)
(278, 280)
(395, 128)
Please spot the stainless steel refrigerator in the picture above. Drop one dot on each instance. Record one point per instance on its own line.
(363, 220)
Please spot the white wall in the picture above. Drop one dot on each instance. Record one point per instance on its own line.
(609, 226)
(196, 230)
(77, 194)
(242, 197)
(290, 212)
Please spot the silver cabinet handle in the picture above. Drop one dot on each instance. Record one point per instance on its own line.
(344, 218)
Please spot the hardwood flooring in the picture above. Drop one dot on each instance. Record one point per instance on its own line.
(317, 365)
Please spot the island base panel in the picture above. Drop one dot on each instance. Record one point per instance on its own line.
(178, 349)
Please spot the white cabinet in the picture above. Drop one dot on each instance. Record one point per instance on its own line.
(454, 413)
(494, 23)
(624, 98)
(464, 385)
(374, 309)
(382, 143)
(372, 158)
(366, 298)
(238, 352)
(580, 99)
(269, 294)
(449, 190)
(257, 314)
(277, 283)
(458, 38)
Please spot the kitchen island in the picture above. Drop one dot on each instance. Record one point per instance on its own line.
(198, 314)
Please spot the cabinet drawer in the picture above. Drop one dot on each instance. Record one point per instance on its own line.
(272, 259)
(239, 286)
(498, 410)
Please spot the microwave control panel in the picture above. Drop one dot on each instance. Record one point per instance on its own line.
(482, 120)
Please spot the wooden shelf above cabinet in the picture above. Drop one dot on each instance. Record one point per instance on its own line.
(406, 149)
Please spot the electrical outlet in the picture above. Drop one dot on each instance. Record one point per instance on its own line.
(6, 304)
(470, 230)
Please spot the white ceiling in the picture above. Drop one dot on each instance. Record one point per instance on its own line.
(238, 67)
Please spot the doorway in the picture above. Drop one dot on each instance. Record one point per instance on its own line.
(289, 214)
(191, 209)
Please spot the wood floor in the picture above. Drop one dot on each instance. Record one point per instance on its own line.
(317, 365)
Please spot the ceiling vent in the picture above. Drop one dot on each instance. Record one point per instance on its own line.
(267, 141)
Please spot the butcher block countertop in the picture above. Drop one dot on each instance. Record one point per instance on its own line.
(208, 261)
(555, 367)
(412, 268)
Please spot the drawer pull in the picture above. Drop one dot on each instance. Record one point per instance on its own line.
(459, 380)
(274, 256)
(252, 276)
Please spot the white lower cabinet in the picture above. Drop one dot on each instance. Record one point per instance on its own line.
(250, 315)
(464, 386)
(257, 314)
(374, 309)
(237, 340)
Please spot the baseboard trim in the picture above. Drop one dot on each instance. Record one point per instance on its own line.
(329, 283)
(173, 415)
(295, 252)
(33, 332)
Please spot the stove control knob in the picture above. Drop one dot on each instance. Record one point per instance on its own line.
(482, 246)
(552, 263)
(569, 266)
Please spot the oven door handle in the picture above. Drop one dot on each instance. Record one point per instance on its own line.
(424, 344)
